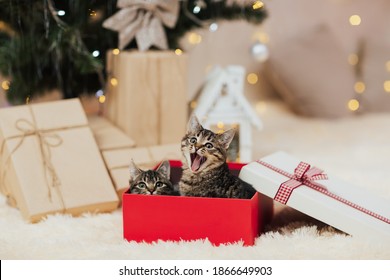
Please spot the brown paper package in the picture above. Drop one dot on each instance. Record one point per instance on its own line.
(50, 162)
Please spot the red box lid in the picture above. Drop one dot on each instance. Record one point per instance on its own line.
(221, 220)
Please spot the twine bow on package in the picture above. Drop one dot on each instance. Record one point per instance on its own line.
(50, 162)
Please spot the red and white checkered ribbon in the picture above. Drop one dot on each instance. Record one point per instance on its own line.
(304, 175)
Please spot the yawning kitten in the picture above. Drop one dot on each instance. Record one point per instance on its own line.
(205, 171)
(151, 182)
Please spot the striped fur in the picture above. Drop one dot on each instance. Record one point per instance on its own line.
(151, 182)
(205, 172)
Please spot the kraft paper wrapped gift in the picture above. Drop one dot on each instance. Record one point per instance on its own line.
(147, 95)
(314, 192)
(220, 220)
(113, 144)
(107, 135)
(118, 161)
(50, 162)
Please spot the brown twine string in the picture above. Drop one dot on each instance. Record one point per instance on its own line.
(28, 128)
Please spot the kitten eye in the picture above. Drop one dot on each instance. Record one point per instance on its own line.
(159, 185)
(209, 145)
(141, 185)
(192, 140)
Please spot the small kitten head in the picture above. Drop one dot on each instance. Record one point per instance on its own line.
(203, 149)
(151, 182)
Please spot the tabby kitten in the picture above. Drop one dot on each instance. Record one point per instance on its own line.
(151, 182)
(205, 171)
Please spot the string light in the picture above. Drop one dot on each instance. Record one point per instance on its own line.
(257, 5)
(261, 37)
(360, 87)
(61, 13)
(353, 105)
(386, 86)
(261, 107)
(193, 104)
(355, 20)
(115, 51)
(213, 27)
(353, 59)
(5, 85)
(178, 52)
(194, 38)
(92, 13)
(252, 78)
(114, 82)
(388, 66)
(196, 10)
(102, 99)
(95, 53)
(99, 93)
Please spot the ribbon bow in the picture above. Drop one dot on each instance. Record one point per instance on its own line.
(28, 128)
(143, 19)
(303, 175)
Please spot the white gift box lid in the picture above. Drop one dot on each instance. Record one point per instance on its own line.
(346, 207)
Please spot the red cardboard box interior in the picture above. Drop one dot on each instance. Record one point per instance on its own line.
(221, 220)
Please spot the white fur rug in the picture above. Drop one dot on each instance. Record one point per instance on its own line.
(355, 149)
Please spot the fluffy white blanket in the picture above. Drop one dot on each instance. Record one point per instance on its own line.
(355, 149)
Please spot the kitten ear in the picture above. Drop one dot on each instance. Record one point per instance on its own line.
(134, 170)
(226, 138)
(165, 169)
(194, 124)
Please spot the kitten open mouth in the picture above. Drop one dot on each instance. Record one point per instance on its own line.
(196, 161)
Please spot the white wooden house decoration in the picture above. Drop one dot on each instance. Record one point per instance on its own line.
(222, 105)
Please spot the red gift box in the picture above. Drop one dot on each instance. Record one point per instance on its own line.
(150, 218)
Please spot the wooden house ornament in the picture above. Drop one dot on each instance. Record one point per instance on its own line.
(222, 105)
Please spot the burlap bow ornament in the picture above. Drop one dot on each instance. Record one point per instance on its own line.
(144, 20)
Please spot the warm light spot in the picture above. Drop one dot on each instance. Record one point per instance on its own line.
(102, 99)
(353, 104)
(220, 125)
(5, 85)
(194, 38)
(220, 131)
(355, 20)
(261, 107)
(92, 13)
(178, 52)
(257, 5)
(359, 87)
(114, 82)
(353, 59)
(386, 86)
(193, 104)
(252, 78)
(388, 65)
(116, 51)
(261, 37)
(28, 99)
(208, 68)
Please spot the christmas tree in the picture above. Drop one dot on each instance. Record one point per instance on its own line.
(52, 44)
